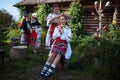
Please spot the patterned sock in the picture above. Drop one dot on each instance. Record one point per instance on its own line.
(50, 70)
(46, 66)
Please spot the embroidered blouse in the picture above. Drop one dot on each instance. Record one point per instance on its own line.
(50, 16)
(66, 34)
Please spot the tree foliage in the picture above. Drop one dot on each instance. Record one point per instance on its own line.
(76, 12)
(114, 33)
(12, 31)
(5, 19)
(42, 13)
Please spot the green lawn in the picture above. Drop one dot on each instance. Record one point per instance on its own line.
(28, 69)
(96, 63)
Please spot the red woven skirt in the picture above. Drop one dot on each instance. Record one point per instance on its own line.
(27, 36)
(59, 46)
(33, 37)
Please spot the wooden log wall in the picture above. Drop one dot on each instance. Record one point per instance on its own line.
(91, 22)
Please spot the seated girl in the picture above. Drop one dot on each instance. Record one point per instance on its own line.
(62, 37)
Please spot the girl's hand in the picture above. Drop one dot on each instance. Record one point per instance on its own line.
(61, 29)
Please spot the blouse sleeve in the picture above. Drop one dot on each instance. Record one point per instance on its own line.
(56, 33)
(68, 38)
(67, 35)
(48, 19)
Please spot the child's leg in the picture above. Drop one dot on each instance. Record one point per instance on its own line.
(47, 64)
(52, 67)
(57, 59)
(51, 57)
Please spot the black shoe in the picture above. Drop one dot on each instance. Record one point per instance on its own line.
(43, 71)
(48, 73)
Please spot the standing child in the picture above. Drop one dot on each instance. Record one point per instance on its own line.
(62, 37)
(25, 29)
(35, 33)
(52, 22)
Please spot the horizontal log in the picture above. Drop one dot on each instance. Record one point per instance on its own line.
(90, 30)
(90, 23)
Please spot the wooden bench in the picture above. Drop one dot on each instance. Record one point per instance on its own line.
(2, 52)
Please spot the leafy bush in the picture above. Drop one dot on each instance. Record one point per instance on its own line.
(86, 42)
(98, 62)
(114, 33)
(42, 13)
(12, 32)
(76, 12)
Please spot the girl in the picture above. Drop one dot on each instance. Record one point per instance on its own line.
(35, 33)
(25, 29)
(62, 37)
(52, 22)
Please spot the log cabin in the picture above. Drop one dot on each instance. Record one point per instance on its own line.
(90, 21)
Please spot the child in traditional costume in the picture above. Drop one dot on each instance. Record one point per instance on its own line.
(25, 29)
(35, 33)
(52, 22)
(62, 37)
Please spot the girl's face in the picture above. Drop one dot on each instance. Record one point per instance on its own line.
(62, 20)
(56, 10)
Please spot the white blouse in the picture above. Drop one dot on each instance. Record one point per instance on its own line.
(50, 16)
(66, 34)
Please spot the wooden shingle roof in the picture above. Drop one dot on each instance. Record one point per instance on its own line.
(84, 2)
(34, 2)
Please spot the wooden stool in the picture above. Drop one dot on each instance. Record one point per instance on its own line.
(18, 52)
(2, 52)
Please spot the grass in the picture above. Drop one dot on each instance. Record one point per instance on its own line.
(21, 69)
(28, 69)
(101, 63)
